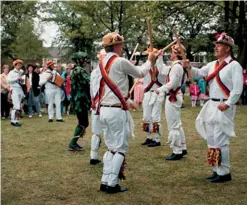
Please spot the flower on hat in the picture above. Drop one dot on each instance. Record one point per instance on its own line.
(225, 39)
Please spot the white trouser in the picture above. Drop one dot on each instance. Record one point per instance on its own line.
(112, 164)
(152, 108)
(176, 135)
(17, 96)
(53, 96)
(116, 128)
(96, 130)
(216, 138)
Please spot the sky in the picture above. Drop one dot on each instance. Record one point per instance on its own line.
(47, 31)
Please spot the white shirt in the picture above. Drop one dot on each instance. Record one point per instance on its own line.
(231, 76)
(95, 82)
(43, 79)
(175, 76)
(119, 72)
(30, 78)
(12, 78)
(163, 71)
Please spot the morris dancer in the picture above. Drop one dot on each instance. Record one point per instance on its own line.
(52, 92)
(152, 103)
(80, 95)
(113, 108)
(96, 125)
(15, 79)
(215, 123)
(173, 104)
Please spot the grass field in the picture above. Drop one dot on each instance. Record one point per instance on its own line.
(37, 169)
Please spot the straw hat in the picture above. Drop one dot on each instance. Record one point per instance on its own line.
(112, 39)
(17, 61)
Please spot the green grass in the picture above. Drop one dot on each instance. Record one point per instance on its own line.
(37, 169)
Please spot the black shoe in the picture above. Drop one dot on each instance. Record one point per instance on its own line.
(74, 148)
(221, 179)
(154, 144)
(94, 161)
(103, 187)
(174, 157)
(184, 152)
(50, 120)
(79, 146)
(147, 141)
(212, 176)
(60, 120)
(16, 124)
(116, 189)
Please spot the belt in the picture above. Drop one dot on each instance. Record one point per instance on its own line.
(118, 106)
(217, 100)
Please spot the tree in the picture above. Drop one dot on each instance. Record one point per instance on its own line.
(89, 21)
(26, 44)
(17, 30)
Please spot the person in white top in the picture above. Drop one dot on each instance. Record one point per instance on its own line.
(114, 116)
(215, 123)
(173, 104)
(152, 103)
(96, 125)
(15, 79)
(52, 92)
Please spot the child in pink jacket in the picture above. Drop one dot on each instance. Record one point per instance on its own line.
(194, 93)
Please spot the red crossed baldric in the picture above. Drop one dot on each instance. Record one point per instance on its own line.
(94, 101)
(107, 81)
(216, 75)
(150, 85)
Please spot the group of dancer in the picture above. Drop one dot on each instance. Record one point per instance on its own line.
(106, 93)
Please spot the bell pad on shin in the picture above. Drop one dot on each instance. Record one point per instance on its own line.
(145, 127)
(214, 156)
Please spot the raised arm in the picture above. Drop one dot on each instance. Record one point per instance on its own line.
(12, 77)
(137, 71)
(175, 78)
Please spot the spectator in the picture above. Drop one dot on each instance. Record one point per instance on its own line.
(244, 93)
(194, 93)
(66, 76)
(203, 88)
(5, 88)
(139, 92)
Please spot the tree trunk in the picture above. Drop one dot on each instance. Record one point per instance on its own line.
(226, 23)
(242, 35)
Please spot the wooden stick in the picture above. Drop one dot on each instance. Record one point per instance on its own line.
(179, 43)
(134, 52)
(182, 51)
(133, 87)
(164, 49)
(169, 45)
(150, 34)
(153, 77)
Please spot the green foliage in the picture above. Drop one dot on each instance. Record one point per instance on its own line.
(18, 39)
(26, 44)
